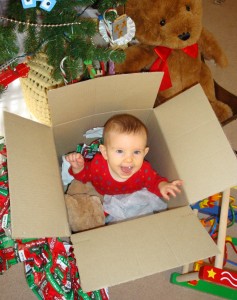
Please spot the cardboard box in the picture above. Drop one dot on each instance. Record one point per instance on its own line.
(186, 141)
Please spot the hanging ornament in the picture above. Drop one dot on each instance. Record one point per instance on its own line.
(9, 75)
(99, 68)
(28, 3)
(45, 4)
(64, 74)
(119, 32)
(63, 71)
(111, 68)
(90, 68)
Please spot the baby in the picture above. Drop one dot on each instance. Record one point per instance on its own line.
(120, 167)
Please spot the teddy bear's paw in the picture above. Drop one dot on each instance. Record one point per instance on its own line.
(222, 110)
(76, 187)
(73, 215)
(84, 212)
(222, 61)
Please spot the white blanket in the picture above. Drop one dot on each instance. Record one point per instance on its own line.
(121, 207)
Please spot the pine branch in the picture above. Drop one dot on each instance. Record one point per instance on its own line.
(8, 44)
(61, 33)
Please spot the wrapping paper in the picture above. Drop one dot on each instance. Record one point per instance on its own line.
(50, 265)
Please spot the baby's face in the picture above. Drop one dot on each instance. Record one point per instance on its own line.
(125, 153)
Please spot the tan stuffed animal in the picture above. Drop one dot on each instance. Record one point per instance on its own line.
(84, 207)
(172, 39)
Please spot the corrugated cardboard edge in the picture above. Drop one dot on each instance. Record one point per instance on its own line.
(195, 141)
(36, 193)
(134, 249)
(102, 95)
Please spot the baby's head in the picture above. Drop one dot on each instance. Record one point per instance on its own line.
(124, 146)
(124, 123)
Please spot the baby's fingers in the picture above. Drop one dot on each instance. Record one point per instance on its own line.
(177, 182)
(69, 157)
(74, 157)
(173, 189)
(172, 192)
(176, 185)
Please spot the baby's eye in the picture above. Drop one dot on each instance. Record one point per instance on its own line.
(137, 152)
(119, 151)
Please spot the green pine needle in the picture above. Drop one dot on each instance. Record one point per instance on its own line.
(73, 42)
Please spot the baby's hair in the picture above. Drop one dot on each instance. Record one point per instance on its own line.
(124, 123)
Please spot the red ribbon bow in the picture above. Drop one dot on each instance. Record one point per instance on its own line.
(161, 65)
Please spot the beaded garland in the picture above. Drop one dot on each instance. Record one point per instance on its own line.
(40, 25)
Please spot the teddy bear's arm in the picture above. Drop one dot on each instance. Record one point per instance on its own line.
(138, 57)
(211, 49)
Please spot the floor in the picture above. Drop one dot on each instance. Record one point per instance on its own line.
(12, 101)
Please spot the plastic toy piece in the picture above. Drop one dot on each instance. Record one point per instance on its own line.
(222, 228)
(90, 68)
(9, 75)
(28, 3)
(47, 4)
(207, 287)
(234, 241)
(213, 279)
(211, 206)
(219, 276)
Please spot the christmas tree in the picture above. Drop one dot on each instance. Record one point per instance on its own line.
(59, 29)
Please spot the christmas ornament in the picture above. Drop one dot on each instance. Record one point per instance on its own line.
(28, 3)
(119, 32)
(99, 68)
(90, 68)
(45, 4)
(9, 75)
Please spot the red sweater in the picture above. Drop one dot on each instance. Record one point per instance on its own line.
(97, 172)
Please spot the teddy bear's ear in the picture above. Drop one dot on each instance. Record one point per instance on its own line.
(121, 10)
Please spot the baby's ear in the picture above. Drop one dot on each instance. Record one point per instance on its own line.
(146, 150)
(103, 151)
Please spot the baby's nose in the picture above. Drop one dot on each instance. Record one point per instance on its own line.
(129, 157)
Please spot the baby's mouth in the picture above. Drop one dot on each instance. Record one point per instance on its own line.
(126, 170)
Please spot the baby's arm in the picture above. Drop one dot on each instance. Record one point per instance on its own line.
(170, 188)
(76, 161)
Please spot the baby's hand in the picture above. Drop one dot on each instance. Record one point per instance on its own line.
(76, 161)
(170, 188)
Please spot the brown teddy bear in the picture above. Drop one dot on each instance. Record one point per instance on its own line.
(84, 207)
(171, 39)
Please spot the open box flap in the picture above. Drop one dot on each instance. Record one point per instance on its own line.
(104, 94)
(68, 135)
(134, 249)
(36, 193)
(197, 149)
